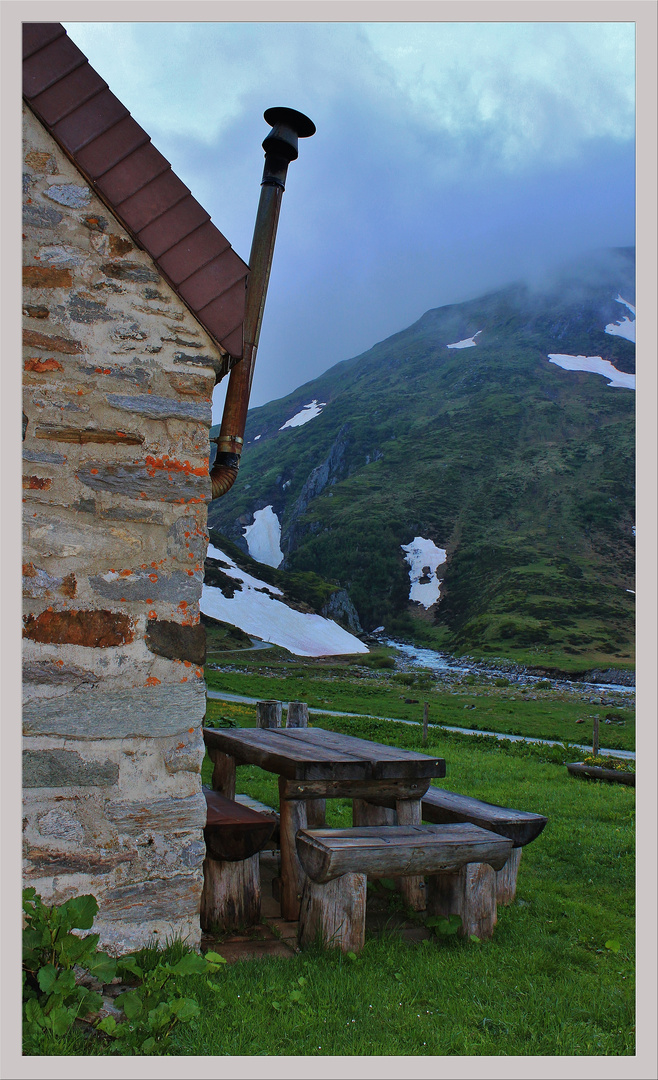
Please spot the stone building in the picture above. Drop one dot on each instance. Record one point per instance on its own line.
(133, 310)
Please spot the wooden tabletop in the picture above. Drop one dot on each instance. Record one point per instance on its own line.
(316, 754)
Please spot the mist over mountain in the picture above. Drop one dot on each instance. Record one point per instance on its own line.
(469, 481)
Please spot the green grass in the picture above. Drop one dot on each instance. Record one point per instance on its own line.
(480, 704)
(546, 984)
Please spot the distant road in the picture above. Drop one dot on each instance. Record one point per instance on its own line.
(216, 695)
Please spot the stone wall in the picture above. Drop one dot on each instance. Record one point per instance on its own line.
(118, 378)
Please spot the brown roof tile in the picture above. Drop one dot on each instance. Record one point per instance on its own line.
(129, 175)
(109, 149)
(211, 281)
(159, 195)
(173, 226)
(135, 181)
(192, 253)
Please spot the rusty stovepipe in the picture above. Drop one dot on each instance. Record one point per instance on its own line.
(280, 148)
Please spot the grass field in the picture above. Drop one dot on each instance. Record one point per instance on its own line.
(546, 984)
(536, 711)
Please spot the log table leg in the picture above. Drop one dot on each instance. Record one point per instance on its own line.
(469, 893)
(231, 896)
(223, 773)
(506, 878)
(412, 887)
(334, 913)
(292, 817)
(365, 813)
(316, 813)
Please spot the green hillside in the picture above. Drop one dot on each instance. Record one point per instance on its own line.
(522, 471)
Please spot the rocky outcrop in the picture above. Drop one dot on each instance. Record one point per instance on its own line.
(340, 608)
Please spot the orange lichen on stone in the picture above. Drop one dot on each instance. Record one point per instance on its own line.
(172, 465)
(46, 277)
(152, 681)
(93, 629)
(36, 483)
(35, 364)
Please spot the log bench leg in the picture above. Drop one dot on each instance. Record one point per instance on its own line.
(470, 893)
(506, 878)
(231, 893)
(412, 887)
(292, 817)
(334, 913)
(316, 813)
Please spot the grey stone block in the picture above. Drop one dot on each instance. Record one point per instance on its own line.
(162, 408)
(164, 816)
(138, 482)
(41, 217)
(73, 195)
(170, 898)
(154, 711)
(49, 673)
(141, 585)
(43, 455)
(65, 768)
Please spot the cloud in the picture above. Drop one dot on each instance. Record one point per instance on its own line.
(450, 158)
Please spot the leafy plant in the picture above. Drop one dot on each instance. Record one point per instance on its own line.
(444, 925)
(58, 967)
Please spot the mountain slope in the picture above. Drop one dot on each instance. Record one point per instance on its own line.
(461, 431)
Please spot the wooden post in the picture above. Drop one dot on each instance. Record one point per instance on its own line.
(335, 913)
(469, 893)
(292, 817)
(506, 878)
(316, 813)
(425, 718)
(223, 773)
(412, 887)
(231, 894)
(269, 714)
(366, 813)
(297, 714)
(595, 738)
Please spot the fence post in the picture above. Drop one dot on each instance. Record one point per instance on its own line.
(269, 714)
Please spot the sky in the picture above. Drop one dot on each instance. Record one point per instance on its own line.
(449, 159)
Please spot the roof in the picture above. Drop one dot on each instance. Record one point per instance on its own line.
(117, 158)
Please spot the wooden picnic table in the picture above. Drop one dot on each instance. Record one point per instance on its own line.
(314, 765)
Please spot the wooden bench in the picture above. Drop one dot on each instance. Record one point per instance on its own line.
(234, 834)
(460, 861)
(442, 807)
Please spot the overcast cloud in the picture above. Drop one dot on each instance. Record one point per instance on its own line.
(449, 159)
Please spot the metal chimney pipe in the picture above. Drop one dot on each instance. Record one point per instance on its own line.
(280, 148)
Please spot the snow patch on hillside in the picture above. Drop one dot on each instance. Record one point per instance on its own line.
(264, 537)
(254, 609)
(596, 365)
(306, 413)
(424, 557)
(466, 343)
(625, 327)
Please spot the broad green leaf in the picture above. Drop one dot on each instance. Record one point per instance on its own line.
(107, 1024)
(61, 1020)
(46, 977)
(214, 958)
(102, 967)
(613, 945)
(130, 1003)
(79, 911)
(185, 1008)
(190, 964)
(33, 1011)
(160, 1016)
(128, 963)
(148, 1045)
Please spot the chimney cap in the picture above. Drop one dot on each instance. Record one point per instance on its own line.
(299, 123)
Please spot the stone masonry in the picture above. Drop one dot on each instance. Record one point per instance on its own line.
(118, 377)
